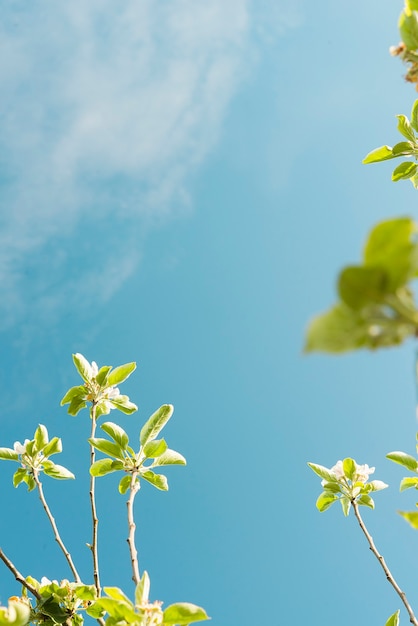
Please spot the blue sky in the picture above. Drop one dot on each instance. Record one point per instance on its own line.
(181, 183)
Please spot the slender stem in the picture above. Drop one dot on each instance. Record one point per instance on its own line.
(18, 575)
(54, 527)
(132, 527)
(383, 565)
(94, 517)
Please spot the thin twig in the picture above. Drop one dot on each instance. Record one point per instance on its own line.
(132, 527)
(382, 562)
(18, 575)
(54, 528)
(94, 517)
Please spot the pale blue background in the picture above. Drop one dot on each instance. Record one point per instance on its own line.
(181, 182)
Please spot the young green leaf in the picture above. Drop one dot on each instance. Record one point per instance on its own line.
(56, 471)
(323, 472)
(124, 484)
(158, 480)
(155, 423)
(349, 467)
(102, 376)
(393, 619)
(154, 449)
(183, 613)
(117, 433)
(53, 447)
(86, 592)
(404, 459)
(403, 148)
(169, 457)
(408, 29)
(142, 590)
(325, 500)
(405, 170)
(124, 404)
(107, 447)
(391, 245)
(74, 392)
(116, 594)
(76, 404)
(361, 286)
(7, 454)
(346, 505)
(18, 476)
(120, 374)
(379, 154)
(408, 483)
(41, 437)
(30, 481)
(411, 517)
(83, 367)
(366, 500)
(105, 466)
(405, 128)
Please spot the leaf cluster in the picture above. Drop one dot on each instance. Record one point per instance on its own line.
(61, 603)
(409, 148)
(122, 457)
(346, 488)
(34, 458)
(99, 388)
(121, 611)
(375, 307)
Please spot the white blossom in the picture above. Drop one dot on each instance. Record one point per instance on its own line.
(20, 448)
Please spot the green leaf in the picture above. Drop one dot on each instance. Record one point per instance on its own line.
(411, 517)
(51, 607)
(7, 454)
(117, 433)
(346, 505)
(120, 374)
(404, 459)
(405, 170)
(74, 392)
(102, 378)
(154, 449)
(76, 405)
(158, 480)
(155, 423)
(19, 476)
(107, 447)
(403, 148)
(95, 611)
(414, 116)
(408, 483)
(323, 472)
(124, 404)
(405, 128)
(53, 447)
(116, 594)
(365, 500)
(105, 466)
(169, 457)
(30, 481)
(349, 468)
(41, 437)
(56, 471)
(384, 153)
(124, 484)
(393, 619)
(408, 29)
(359, 286)
(86, 592)
(83, 367)
(325, 500)
(183, 613)
(142, 589)
(411, 5)
(391, 246)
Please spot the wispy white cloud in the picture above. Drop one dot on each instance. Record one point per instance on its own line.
(106, 108)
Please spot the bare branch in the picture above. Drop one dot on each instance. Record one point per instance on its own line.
(18, 575)
(132, 527)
